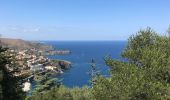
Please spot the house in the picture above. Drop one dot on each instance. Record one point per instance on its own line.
(50, 68)
(27, 86)
(37, 67)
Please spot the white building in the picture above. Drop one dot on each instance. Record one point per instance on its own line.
(50, 68)
(27, 86)
(37, 67)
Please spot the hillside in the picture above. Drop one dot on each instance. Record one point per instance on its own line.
(22, 44)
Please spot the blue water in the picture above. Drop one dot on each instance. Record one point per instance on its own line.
(82, 53)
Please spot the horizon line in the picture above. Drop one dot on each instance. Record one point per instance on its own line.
(62, 40)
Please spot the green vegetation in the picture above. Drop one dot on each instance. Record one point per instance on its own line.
(45, 83)
(9, 87)
(145, 75)
(63, 93)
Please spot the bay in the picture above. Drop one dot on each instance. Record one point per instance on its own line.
(81, 54)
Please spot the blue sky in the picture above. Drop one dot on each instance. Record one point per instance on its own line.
(81, 19)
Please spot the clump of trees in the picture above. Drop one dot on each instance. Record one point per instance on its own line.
(9, 86)
(145, 75)
(64, 93)
(45, 83)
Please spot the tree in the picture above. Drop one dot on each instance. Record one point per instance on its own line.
(45, 83)
(94, 72)
(10, 89)
(64, 93)
(146, 74)
(168, 31)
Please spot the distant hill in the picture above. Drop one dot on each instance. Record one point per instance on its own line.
(22, 44)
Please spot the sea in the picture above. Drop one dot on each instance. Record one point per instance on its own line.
(82, 52)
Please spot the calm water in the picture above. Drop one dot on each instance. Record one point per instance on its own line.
(82, 53)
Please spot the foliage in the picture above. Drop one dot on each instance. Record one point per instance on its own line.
(144, 76)
(9, 87)
(63, 93)
(44, 83)
(94, 72)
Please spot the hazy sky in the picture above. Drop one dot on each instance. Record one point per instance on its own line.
(81, 19)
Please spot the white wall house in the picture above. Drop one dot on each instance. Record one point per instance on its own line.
(37, 67)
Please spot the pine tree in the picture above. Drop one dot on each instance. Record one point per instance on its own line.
(9, 87)
(94, 72)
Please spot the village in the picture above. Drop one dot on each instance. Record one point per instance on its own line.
(28, 63)
(31, 61)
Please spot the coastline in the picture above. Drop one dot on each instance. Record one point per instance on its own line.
(32, 61)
